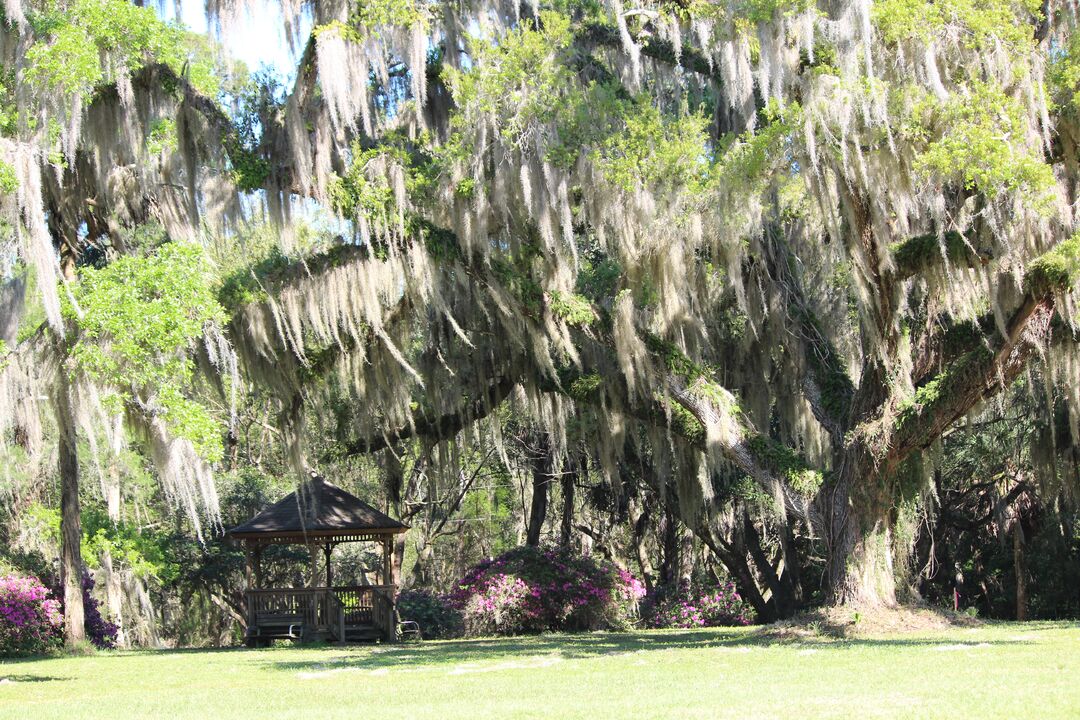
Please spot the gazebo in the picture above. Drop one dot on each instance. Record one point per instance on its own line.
(321, 516)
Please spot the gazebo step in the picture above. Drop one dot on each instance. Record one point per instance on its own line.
(362, 632)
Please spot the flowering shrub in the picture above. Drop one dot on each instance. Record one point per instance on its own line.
(686, 607)
(30, 621)
(434, 613)
(99, 631)
(532, 590)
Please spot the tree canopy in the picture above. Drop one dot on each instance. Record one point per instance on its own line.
(772, 250)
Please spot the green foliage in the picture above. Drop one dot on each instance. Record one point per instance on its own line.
(405, 13)
(980, 24)
(1064, 76)
(575, 310)
(436, 618)
(84, 43)
(9, 183)
(674, 359)
(749, 160)
(684, 423)
(656, 149)
(598, 277)
(585, 387)
(754, 12)
(788, 464)
(520, 77)
(138, 319)
(1055, 271)
(359, 192)
(141, 550)
(245, 285)
(162, 137)
(940, 388)
(526, 83)
(922, 251)
(977, 139)
(370, 18)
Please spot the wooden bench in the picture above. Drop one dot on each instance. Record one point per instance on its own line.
(275, 625)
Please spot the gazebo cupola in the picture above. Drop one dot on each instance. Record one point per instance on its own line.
(320, 515)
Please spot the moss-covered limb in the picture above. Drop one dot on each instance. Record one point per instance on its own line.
(828, 384)
(922, 253)
(654, 47)
(272, 274)
(949, 395)
(1056, 271)
(442, 426)
(787, 463)
(942, 347)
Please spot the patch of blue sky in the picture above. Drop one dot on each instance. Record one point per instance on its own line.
(258, 39)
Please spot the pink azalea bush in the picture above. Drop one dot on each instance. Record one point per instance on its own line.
(687, 607)
(30, 621)
(529, 590)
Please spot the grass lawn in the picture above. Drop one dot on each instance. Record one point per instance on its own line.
(1003, 670)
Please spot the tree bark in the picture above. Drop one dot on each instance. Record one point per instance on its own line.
(71, 564)
(541, 482)
(782, 596)
(860, 563)
(639, 524)
(1020, 570)
(669, 566)
(568, 482)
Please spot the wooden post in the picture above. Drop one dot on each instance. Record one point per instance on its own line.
(256, 557)
(391, 587)
(329, 570)
(249, 566)
(386, 561)
(313, 577)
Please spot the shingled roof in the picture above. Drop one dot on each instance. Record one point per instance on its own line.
(321, 509)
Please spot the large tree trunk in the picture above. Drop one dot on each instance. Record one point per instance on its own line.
(541, 482)
(1020, 570)
(669, 565)
(395, 488)
(639, 525)
(568, 483)
(71, 565)
(860, 564)
(782, 595)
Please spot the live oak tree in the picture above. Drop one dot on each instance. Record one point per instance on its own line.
(774, 241)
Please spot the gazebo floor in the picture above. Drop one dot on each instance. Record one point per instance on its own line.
(341, 614)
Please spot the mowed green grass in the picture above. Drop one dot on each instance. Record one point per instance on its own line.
(1005, 670)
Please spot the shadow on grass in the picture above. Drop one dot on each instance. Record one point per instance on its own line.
(586, 646)
(4, 679)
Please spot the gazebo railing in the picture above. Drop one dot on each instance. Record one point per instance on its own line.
(326, 608)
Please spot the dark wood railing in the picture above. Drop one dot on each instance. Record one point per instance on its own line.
(330, 610)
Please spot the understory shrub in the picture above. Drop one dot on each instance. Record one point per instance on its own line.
(685, 606)
(435, 614)
(528, 590)
(99, 631)
(30, 621)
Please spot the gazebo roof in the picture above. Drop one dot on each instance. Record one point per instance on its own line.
(320, 510)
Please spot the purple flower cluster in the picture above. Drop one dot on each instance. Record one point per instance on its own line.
(100, 631)
(686, 607)
(30, 621)
(532, 590)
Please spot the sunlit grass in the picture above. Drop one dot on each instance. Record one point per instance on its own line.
(994, 671)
